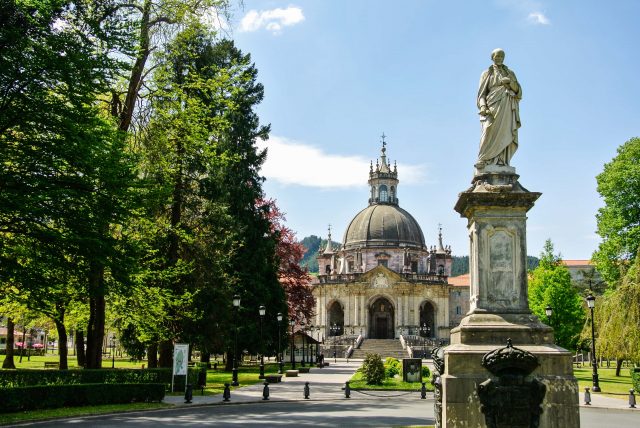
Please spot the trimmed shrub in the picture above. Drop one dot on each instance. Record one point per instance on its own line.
(22, 377)
(55, 396)
(635, 378)
(373, 369)
(392, 367)
(425, 373)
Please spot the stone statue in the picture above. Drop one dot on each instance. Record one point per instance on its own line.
(498, 98)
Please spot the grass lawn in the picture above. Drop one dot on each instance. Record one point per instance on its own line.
(12, 418)
(395, 384)
(37, 361)
(609, 383)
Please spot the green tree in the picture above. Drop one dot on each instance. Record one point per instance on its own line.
(206, 234)
(617, 320)
(550, 284)
(66, 176)
(619, 219)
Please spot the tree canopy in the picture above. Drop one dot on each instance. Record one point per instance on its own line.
(550, 284)
(619, 219)
(130, 190)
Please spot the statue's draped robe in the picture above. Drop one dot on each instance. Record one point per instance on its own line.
(499, 139)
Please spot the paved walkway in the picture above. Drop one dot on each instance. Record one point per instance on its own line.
(328, 383)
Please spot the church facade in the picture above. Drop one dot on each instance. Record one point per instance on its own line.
(384, 281)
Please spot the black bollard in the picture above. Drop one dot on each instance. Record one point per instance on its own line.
(632, 400)
(265, 391)
(306, 390)
(587, 396)
(423, 391)
(347, 390)
(227, 392)
(188, 393)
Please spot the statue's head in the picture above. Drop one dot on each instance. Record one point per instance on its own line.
(497, 56)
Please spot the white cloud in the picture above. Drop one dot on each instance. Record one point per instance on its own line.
(538, 18)
(272, 20)
(295, 163)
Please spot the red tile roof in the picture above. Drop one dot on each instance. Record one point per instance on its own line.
(460, 280)
(571, 263)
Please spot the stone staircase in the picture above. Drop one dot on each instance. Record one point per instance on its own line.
(384, 347)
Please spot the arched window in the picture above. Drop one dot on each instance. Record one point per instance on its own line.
(383, 194)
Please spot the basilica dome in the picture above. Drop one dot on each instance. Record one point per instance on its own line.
(383, 225)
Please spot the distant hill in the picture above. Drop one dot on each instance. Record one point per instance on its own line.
(314, 243)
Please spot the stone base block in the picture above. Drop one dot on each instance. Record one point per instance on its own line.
(291, 373)
(464, 372)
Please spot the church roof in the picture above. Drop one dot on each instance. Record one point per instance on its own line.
(383, 225)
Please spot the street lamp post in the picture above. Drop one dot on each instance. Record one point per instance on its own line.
(280, 363)
(293, 358)
(591, 302)
(318, 343)
(236, 307)
(113, 347)
(302, 329)
(261, 310)
(310, 346)
(548, 311)
(334, 331)
(425, 330)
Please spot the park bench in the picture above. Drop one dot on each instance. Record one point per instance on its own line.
(51, 365)
(273, 378)
(291, 373)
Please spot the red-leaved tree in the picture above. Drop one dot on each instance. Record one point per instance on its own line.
(295, 279)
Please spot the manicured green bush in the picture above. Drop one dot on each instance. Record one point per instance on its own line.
(373, 369)
(425, 373)
(635, 378)
(54, 396)
(392, 367)
(27, 377)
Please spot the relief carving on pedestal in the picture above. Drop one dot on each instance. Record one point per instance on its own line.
(503, 290)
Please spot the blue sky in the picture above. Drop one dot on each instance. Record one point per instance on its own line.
(337, 74)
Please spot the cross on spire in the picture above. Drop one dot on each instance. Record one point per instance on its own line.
(384, 143)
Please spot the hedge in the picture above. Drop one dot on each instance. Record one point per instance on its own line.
(28, 377)
(635, 378)
(55, 396)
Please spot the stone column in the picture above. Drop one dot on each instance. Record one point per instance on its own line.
(496, 207)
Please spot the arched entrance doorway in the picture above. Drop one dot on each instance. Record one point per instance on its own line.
(336, 317)
(381, 319)
(427, 316)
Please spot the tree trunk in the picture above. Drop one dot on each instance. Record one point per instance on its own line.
(81, 357)
(135, 79)
(24, 333)
(618, 365)
(228, 366)
(63, 352)
(205, 357)
(95, 330)
(152, 356)
(8, 362)
(166, 354)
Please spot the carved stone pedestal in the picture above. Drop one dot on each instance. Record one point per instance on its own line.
(496, 207)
